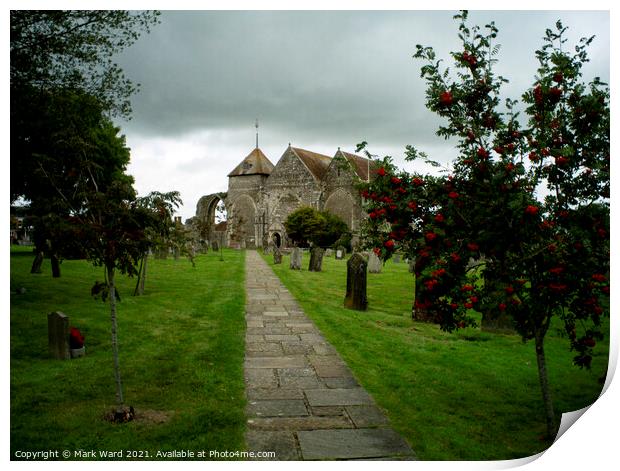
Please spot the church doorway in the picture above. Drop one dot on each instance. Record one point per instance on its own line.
(277, 239)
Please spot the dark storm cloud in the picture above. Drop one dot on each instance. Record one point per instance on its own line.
(338, 76)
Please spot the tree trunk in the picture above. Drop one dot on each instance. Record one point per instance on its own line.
(544, 382)
(37, 262)
(117, 370)
(139, 289)
(143, 275)
(316, 259)
(55, 266)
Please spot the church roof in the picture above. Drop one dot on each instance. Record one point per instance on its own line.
(256, 163)
(361, 165)
(316, 163)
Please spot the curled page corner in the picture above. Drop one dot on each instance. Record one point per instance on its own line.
(568, 420)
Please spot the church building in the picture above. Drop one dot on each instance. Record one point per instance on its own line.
(261, 195)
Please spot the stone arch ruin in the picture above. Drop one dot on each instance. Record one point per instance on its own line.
(204, 222)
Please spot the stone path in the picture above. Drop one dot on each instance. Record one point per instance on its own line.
(303, 401)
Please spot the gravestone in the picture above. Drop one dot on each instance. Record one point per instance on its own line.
(58, 335)
(316, 259)
(295, 259)
(374, 263)
(329, 252)
(340, 253)
(396, 258)
(356, 283)
(215, 246)
(412, 265)
(277, 256)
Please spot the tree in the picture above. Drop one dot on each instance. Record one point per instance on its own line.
(161, 206)
(306, 226)
(535, 258)
(62, 82)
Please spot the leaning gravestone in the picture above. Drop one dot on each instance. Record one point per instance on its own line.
(316, 259)
(277, 256)
(58, 335)
(374, 263)
(356, 283)
(296, 259)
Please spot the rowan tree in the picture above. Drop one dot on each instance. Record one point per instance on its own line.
(483, 237)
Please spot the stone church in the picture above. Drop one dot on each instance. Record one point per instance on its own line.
(261, 195)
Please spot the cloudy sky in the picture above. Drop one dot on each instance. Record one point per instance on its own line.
(316, 79)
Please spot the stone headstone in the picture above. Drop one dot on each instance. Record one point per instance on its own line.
(356, 283)
(215, 246)
(374, 263)
(277, 256)
(58, 335)
(316, 259)
(396, 258)
(329, 252)
(340, 253)
(412, 265)
(295, 259)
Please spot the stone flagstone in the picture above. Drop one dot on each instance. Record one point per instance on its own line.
(303, 401)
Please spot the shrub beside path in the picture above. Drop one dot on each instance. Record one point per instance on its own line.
(303, 401)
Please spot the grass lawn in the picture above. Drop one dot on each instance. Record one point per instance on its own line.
(181, 356)
(463, 396)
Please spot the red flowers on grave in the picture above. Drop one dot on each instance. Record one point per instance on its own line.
(531, 210)
(445, 98)
(76, 339)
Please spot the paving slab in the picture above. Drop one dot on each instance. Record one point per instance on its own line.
(338, 397)
(351, 444)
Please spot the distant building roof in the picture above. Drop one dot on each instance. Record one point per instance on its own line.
(256, 163)
(361, 165)
(316, 163)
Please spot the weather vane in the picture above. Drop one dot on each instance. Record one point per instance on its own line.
(256, 126)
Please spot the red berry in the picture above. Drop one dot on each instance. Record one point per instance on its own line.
(531, 210)
(381, 172)
(445, 98)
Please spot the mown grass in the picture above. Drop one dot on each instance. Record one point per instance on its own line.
(181, 356)
(469, 395)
